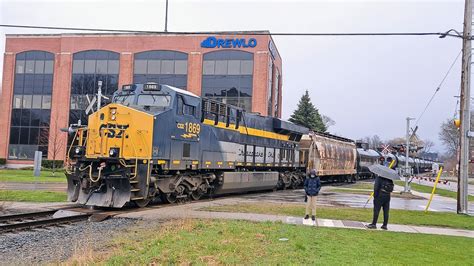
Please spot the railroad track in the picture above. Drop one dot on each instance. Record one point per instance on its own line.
(25, 221)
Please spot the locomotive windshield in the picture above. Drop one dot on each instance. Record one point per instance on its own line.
(154, 100)
(126, 99)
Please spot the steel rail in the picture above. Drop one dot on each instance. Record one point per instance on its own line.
(43, 222)
(19, 216)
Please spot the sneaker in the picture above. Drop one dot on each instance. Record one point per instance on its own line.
(384, 227)
(371, 226)
(313, 218)
(306, 217)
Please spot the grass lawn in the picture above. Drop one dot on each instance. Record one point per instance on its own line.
(15, 175)
(442, 219)
(218, 242)
(32, 196)
(428, 189)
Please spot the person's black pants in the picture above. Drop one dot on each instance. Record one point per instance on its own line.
(381, 202)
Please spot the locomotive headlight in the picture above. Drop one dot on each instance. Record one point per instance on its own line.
(77, 150)
(113, 117)
(114, 152)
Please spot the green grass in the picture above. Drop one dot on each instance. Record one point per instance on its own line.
(32, 196)
(219, 242)
(25, 176)
(440, 219)
(428, 189)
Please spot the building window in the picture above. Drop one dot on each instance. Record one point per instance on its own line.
(270, 88)
(228, 77)
(31, 106)
(162, 67)
(88, 68)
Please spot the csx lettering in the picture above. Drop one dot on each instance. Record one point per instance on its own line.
(113, 130)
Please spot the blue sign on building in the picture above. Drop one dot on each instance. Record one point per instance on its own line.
(213, 42)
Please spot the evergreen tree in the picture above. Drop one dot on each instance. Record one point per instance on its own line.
(307, 115)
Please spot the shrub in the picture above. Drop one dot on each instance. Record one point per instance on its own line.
(3, 161)
(50, 164)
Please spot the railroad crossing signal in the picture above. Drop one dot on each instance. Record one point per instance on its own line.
(386, 149)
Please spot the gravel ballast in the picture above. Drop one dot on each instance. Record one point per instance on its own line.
(58, 244)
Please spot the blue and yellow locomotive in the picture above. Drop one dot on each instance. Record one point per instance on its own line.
(159, 141)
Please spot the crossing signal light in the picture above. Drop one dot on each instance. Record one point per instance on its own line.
(457, 123)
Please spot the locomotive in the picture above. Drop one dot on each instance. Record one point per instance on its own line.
(157, 141)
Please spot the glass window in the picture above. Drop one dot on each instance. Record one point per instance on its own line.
(228, 77)
(113, 67)
(27, 99)
(140, 67)
(14, 135)
(180, 67)
(208, 67)
(36, 102)
(246, 67)
(167, 67)
(46, 102)
(154, 67)
(39, 67)
(125, 99)
(101, 67)
(30, 66)
(154, 100)
(163, 67)
(20, 66)
(89, 66)
(48, 67)
(17, 101)
(221, 67)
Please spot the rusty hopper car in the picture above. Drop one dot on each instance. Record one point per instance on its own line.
(333, 157)
(160, 141)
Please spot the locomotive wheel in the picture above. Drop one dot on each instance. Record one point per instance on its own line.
(176, 195)
(142, 203)
(198, 193)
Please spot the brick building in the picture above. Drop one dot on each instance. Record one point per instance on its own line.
(46, 78)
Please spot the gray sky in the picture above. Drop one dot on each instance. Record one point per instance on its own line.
(368, 85)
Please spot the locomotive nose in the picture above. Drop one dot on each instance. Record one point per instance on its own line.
(118, 131)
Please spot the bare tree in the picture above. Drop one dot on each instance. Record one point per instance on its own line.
(327, 121)
(427, 145)
(375, 142)
(449, 136)
(55, 142)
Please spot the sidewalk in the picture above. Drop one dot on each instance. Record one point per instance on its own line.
(192, 211)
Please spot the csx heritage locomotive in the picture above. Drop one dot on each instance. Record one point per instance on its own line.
(157, 140)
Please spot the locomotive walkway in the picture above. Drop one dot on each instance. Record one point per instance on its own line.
(194, 210)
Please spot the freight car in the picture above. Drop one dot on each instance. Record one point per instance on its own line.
(333, 157)
(156, 140)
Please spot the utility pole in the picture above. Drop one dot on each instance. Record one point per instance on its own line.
(465, 110)
(166, 17)
(407, 156)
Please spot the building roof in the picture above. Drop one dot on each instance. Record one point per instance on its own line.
(138, 33)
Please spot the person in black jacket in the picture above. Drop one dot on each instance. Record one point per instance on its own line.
(382, 189)
(312, 185)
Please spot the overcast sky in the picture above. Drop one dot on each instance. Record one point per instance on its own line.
(368, 85)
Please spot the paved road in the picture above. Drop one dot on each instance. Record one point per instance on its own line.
(452, 186)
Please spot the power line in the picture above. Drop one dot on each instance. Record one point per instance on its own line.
(438, 88)
(440, 34)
